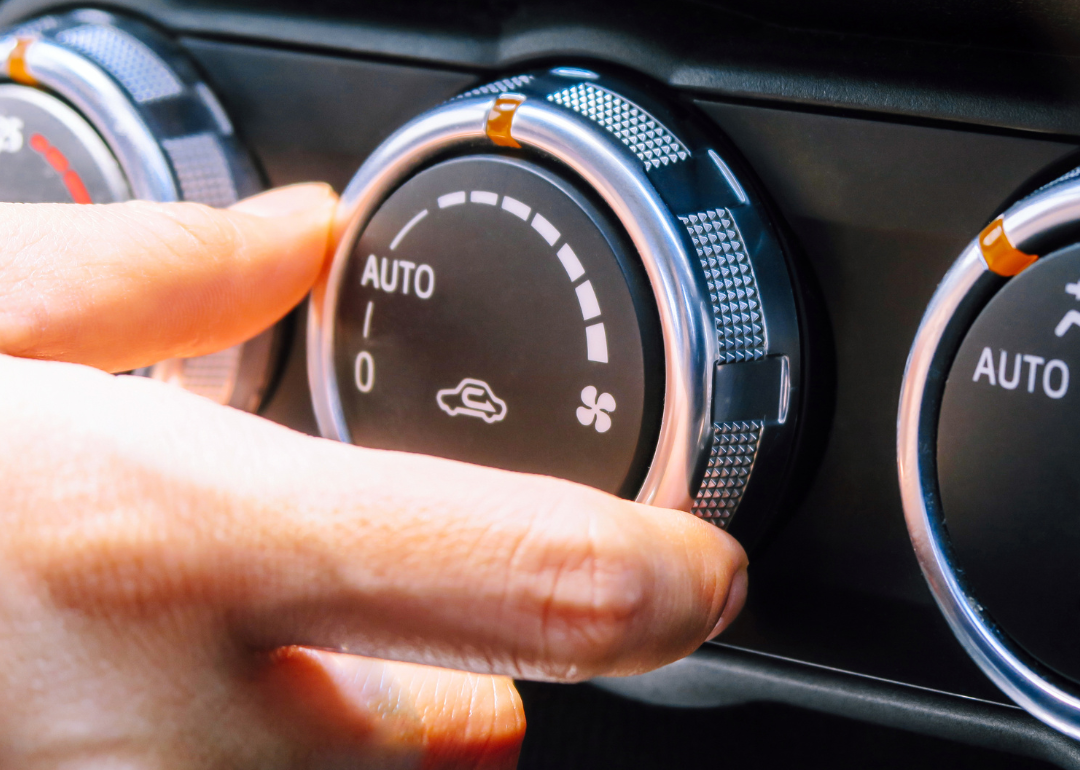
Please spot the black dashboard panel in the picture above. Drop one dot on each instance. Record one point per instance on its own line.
(883, 139)
(879, 210)
(313, 116)
(1004, 65)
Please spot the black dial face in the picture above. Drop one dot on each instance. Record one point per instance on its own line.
(491, 313)
(50, 154)
(1009, 459)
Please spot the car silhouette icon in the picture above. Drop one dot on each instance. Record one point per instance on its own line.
(472, 398)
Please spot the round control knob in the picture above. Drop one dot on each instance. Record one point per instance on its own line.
(989, 435)
(96, 108)
(556, 274)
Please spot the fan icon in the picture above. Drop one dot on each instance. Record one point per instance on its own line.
(596, 409)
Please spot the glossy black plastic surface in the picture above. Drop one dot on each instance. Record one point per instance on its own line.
(579, 727)
(1003, 64)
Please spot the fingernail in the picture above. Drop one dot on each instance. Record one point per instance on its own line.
(736, 598)
(284, 201)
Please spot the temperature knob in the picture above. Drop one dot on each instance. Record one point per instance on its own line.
(96, 108)
(556, 274)
(989, 440)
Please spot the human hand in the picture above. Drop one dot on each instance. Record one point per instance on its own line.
(171, 568)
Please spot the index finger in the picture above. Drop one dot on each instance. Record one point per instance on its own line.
(125, 285)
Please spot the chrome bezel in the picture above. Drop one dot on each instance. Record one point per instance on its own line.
(1028, 222)
(619, 179)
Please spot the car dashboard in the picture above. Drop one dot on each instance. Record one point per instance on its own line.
(785, 215)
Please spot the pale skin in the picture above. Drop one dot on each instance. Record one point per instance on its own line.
(173, 573)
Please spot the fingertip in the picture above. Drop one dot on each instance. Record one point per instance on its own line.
(736, 598)
(225, 275)
(729, 566)
(295, 222)
(705, 570)
(316, 198)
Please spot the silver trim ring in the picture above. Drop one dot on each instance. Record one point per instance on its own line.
(1030, 221)
(617, 176)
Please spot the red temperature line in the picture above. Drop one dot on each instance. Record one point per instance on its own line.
(72, 181)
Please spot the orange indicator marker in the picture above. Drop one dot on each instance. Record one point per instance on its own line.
(501, 117)
(1001, 256)
(17, 63)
